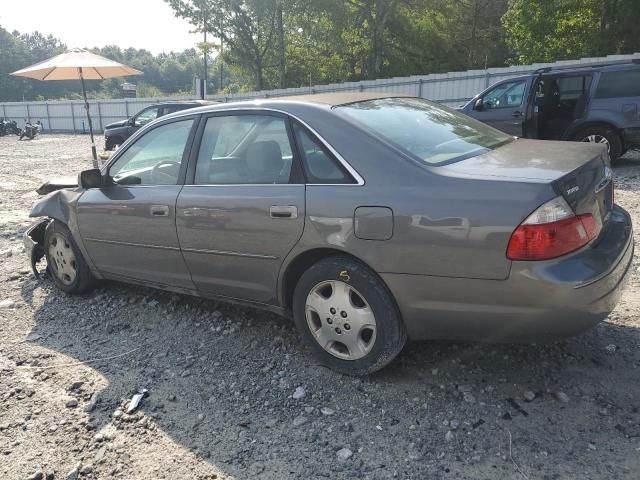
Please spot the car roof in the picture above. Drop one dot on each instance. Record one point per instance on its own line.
(634, 65)
(322, 100)
(201, 103)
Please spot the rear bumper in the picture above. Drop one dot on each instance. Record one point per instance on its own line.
(539, 300)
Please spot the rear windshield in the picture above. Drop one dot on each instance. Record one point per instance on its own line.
(433, 134)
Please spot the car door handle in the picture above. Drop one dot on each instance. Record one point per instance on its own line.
(283, 211)
(159, 210)
(516, 114)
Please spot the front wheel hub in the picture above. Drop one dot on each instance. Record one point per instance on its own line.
(62, 259)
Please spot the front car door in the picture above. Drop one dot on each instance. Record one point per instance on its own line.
(243, 207)
(128, 226)
(503, 106)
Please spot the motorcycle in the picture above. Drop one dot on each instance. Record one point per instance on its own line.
(30, 130)
(8, 127)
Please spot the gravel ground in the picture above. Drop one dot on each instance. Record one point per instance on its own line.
(233, 394)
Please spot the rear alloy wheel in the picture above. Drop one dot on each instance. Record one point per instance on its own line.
(340, 320)
(603, 136)
(347, 316)
(65, 263)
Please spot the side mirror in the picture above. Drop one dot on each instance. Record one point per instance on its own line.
(90, 179)
(479, 105)
(131, 122)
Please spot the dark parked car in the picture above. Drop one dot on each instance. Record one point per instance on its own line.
(598, 104)
(371, 218)
(116, 133)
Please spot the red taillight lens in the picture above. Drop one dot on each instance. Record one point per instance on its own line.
(551, 240)
(551, 231)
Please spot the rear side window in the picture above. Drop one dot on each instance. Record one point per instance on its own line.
(173, 108)
(571, 88)
(625, 83)
(320, 166)
(244, 149)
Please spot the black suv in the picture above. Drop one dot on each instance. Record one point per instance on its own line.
(116, 133)
(592, 103)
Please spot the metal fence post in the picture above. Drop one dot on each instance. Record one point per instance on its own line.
(28, 114)
(4, 111)
(487, 79)
(126, 107)
(73, 117)
(99, 114)
(46, 104)
(420, 88)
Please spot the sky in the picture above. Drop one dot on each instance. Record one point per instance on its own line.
(148, 24)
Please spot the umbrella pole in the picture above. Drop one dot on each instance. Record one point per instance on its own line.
(86, 106)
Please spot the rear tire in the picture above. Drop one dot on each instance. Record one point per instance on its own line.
(347, 316)
(65, 262)
(603, 135)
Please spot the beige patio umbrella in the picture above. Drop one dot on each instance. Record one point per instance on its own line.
(78, 64)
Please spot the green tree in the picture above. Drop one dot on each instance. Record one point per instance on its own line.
(550, 30)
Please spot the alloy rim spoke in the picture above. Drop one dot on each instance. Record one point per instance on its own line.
(318, 303)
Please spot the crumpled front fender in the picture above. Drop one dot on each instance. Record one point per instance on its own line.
(62, 205)
(57, 205)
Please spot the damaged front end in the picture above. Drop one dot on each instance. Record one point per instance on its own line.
(34, 243)
(59, 197)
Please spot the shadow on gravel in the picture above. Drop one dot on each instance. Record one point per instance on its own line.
(221, 379)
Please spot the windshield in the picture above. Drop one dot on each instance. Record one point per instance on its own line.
(433, 134)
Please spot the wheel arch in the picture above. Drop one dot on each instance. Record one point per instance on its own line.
(593, 123)
(294, 269)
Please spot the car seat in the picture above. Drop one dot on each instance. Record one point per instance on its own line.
(265, 163)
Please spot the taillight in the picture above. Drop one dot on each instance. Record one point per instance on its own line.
(551, 231)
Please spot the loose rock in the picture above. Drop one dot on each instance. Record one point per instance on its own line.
(344, 454)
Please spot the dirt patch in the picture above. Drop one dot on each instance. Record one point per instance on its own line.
(232, 394)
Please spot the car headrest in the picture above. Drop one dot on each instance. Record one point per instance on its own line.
(264, 160)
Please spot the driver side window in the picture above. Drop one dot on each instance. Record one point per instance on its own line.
(146, 116)
(509, 94)
(154, 158)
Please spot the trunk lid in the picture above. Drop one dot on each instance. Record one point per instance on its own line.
(589, 189)
(526, 160)
(580, 172)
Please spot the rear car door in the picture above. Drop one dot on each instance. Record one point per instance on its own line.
(503, 106)
(242, 209)
(128, 226)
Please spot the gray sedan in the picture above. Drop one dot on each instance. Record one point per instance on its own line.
(370, 218)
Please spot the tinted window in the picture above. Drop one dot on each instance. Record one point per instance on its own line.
(430, 133)
(167, 109)
(146, 116)
(625, 83)
(571, 88)
(320, 166)
(508, 94)
(244, 149)
(154, 158)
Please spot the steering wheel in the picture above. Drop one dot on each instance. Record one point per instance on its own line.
(159, 177)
